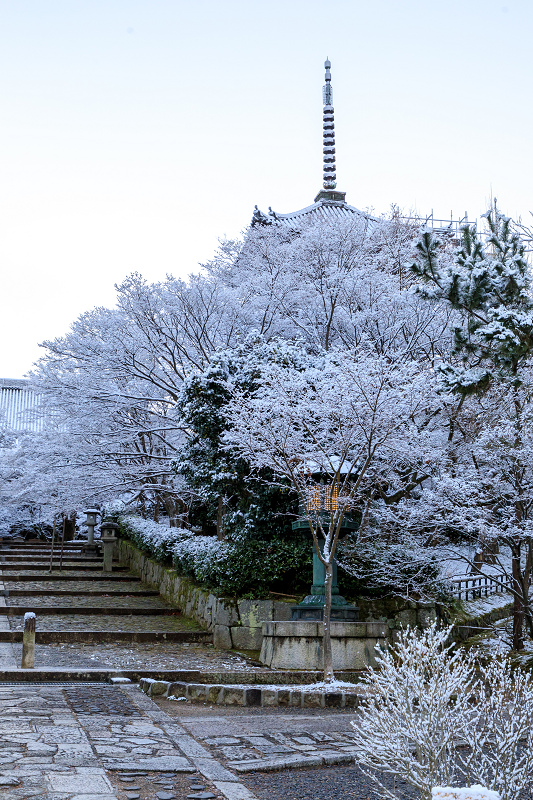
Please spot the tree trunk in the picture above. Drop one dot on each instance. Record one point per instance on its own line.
(170, 507)
(328, 655)
(518, 606)
(220, 518)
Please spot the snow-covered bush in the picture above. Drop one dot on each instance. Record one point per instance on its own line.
(418, 701)
(434, 717)
(230, 567)
(152, 537)
(500, 745)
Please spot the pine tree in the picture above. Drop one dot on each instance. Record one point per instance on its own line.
(488, 282)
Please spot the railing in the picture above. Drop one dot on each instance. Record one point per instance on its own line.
(473, 586)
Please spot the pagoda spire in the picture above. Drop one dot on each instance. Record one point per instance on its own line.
(330, 175)
(329, 166)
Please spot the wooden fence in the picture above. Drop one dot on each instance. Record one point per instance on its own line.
(473, 586)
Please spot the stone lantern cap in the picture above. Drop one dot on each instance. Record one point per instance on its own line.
(108, 529)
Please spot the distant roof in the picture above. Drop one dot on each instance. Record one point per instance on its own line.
(17, 401)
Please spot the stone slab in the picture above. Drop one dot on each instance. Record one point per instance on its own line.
(234, 791)
(79, 782)
(161, 763)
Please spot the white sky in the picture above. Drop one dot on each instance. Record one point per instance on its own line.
(135, 133)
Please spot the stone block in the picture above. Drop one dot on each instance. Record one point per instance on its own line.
(269, 697)
(210, 606)
(145, 683)
(214, 693)
(252, 613)
(313, 699)
(282, 611)
(252, 697)
(201, 601)
(406, 618)
(232, 696)
(284, 697)
(158, 688)
(377, 630)
(226, 613)
(79, 783)
(334, 699)
(352, 629)
(427, 615)
(295, 628)
(177, 689)
(295, 698)
(247, 638)
(196, 692)
(351, 700)
(222, 637)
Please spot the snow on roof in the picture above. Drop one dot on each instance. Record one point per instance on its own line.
(324, 210)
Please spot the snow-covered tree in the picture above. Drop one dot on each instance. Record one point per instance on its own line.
(324, 429)
(488, 283)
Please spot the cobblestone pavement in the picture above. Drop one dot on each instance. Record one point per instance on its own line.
(105, 622)
(150, 655)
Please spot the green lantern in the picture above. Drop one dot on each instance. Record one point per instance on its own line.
(322, 500)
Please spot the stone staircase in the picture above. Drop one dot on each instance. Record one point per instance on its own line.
(76, 602)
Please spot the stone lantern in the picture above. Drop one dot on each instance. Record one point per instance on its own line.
(322, 500)
(92, 515)
(108, 539)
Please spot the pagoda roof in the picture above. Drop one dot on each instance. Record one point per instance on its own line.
(322, 210)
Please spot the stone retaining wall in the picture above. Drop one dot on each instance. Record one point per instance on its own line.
(271, 696)
(397, 612)
(234, 624)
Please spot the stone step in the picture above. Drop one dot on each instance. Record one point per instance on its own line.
(61, 576)
(66, 566)
(115, 611)
(4, 557)
(91, 637)
(87, 593)
(96, 674)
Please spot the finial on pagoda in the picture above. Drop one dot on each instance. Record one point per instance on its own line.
(329, 167)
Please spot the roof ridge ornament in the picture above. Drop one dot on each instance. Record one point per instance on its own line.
(328, 138)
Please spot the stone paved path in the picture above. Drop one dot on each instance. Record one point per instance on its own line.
(79, 741)
(260, 739)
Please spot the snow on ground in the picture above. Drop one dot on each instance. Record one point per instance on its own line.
(464, 793)
(475, 608)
